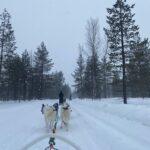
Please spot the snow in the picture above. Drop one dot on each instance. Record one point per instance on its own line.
(105, 124)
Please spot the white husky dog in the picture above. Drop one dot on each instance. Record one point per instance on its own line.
(50, 115)
(65, 115)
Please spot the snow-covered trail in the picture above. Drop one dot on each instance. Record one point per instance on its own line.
(94, 125)
(111, 132)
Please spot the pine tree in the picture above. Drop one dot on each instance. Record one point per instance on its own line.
(87, 80)
(7, 39)
(26, 70)
(116, 84)
(78, 75)
(57, 83)
(106, 76)
(43, 64)
(13, 76)
(139, 69)
(92, 70)
(120, 34)
(106, 71)
(7, 46)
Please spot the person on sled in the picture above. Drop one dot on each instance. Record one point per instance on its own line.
(61, 98)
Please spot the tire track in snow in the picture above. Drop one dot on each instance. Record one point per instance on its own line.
(110, 129)
(124, 125)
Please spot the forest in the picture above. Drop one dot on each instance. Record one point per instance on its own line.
(117, 65)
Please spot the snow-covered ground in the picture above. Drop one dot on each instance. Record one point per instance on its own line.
(95, 125)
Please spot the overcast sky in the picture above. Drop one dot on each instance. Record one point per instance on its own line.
(61, 25)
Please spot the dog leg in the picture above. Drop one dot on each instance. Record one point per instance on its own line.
(46, 124)
(61, 125)
(51, 125)
(52, 128)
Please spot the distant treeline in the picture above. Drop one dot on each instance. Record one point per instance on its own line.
(26, 76)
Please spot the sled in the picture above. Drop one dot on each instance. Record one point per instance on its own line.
(51, 144)
(53, 147)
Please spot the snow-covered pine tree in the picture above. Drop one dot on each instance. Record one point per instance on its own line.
(120, 33)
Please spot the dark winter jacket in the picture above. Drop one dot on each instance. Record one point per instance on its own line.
(61, 97)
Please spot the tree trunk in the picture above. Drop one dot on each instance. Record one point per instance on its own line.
(123, 61)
